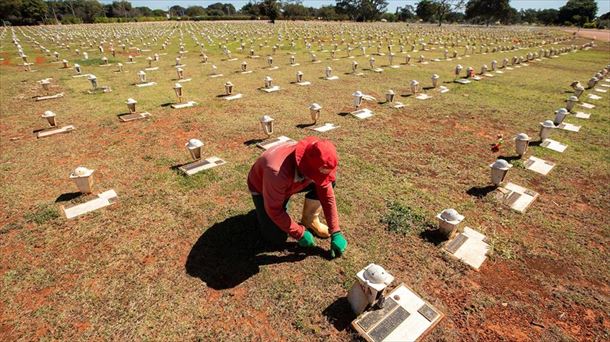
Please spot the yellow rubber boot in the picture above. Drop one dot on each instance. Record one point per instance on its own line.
(311, 218)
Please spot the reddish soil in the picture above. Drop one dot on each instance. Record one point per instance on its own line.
(603, 35)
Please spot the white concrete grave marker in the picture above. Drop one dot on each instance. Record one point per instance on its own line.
(546, 128)
(142, 80)
(180, 94)
(53, 129)
(46, 86)
(94, 86)
(594, 97)
(600, 90)
(522, 141)
(270, 65)
(582, 115)
(269, 87)
(516, 197)
(355, 69)
(267, 126)
(499, 170)
(372, 65)
(404, 316)
(369, 287)
(299, 79)
(554, 145)
(214, 73)
(325, 128)
(569, 127)
(133, 113)
(538, 165)
(229, 96)
(470, 247)
(195, 148)
(449, 222)
(587, 105)
(104, 199)
(328, 74)
(390, 95)
(364, 113)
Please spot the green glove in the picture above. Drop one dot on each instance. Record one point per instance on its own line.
(338, 244)
(307, 240)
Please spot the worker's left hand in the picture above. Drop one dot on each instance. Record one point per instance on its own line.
(338, 244)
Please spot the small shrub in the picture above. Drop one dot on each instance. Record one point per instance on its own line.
(42, 214)
(403, 220)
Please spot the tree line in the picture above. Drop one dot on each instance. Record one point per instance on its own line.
(485, 12)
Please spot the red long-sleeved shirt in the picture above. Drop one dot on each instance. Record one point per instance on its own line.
(274, 175)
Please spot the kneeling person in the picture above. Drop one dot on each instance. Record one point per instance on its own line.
(307, 166)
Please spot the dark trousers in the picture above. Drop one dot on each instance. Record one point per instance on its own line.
(269, 230)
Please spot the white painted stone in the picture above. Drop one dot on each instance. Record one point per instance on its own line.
(473, 250)
(582, 115)
(517, 197)
(325, 128)
(362, 113)
(52, 131)
(569, 127)
(538, 165)
(201, 165)
(148, 84)
(104, 199)
(233, 97)
(587, 105)
(183, 105)
(554, 145)
(49, 97)
(267, 144)
(271, 90)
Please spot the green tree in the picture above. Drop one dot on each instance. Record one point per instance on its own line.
(425, 10)
(158, 13)
(444, 7)
(177, 11)
(487, 10)
(578, 11)
(145, 11)
(405, 13)
(548, 16)
(195, 11)
(362, 10)
(271, 9)
(33, 11)
(529, 16)
(10, 10)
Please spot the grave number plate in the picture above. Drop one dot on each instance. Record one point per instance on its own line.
(428, 312)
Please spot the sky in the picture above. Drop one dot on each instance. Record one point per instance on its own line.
(603, 5)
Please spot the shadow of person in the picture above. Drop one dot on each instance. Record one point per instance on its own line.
(231, 251)
(480, 191)
(339, 314)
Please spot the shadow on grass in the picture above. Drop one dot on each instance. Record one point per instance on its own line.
(480, 191)
(339, 314)
(167, 104)
(230, 252)
(305, 125)
(432, 236)
(68, 196)
(509, 158)
(536, 143)
(343, 113)
(253, 142)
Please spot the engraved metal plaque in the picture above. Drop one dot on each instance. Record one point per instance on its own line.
(529, 163)
(428, 312)
(389, 324)
(545, 143)
(512, 198)
(195, 165)
(372, 317)
(456, 243)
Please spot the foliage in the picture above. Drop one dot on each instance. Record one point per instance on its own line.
(43, 213)
(487, 10)
(403, 220)
(405, 13)
(578, 12)
(362, 10)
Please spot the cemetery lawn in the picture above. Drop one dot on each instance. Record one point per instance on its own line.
(178, 258)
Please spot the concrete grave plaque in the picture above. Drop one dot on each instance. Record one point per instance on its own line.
(594, 97)
(271, 90)
(443, 89)
(147, 84)
(476, 78)
(378, 70)
(404, 317)
(216, 75)
(325, 128)
(569, 127)
(554, 145)
(151, 69)
(516, 197)
(538, 165)
(267, 144)
(49, 97)
(398, 105)
(104, 199)
(304, 83)
(362, 113)
(423, 97)
(599, 90)
(52, 131)
(470, 247)
(233, 97)
(582, 115)
(499, 72)
(462, 81)
(587, 105)
(201, 165)
(332, 78)
(184, 105)
(184, 80)
(133, 117)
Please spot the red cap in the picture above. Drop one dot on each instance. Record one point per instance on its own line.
(317, 160)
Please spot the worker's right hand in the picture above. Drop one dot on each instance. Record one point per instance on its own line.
(307, 240)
